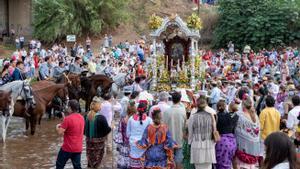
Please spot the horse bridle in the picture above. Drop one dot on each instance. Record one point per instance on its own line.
(69, 81)
(27, 106)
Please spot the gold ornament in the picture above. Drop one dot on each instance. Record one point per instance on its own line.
(163, 87)
(194, 22)
(165, 78)
(182, 78)
(155, 22)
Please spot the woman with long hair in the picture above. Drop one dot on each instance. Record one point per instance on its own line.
(226, 147)
(158, 144)
(96, 131)
(135, 129)
(280, 152)
(247, 134)
(201, 127)
(121, 138)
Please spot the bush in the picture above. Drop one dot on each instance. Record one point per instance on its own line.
(259, 23)
(54, 19)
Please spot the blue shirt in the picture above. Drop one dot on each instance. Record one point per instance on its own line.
(44, 71)
(17, 75)
(215, 95)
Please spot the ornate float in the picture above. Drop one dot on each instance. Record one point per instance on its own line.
(177, 65)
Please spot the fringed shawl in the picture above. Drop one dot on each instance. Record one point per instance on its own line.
(202, 126)
(247, 135)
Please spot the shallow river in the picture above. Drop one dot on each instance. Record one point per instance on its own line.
(23, 151)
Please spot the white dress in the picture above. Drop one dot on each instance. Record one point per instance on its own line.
(202, 149)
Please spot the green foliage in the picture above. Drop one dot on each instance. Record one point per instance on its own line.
(54, 19)
(259, 23)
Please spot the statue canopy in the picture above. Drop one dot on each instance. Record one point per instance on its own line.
(174, 26)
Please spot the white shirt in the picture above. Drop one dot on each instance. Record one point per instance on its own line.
(283, 165)
(137, 87)
(292, 120)
(24, 53)
(22, 39)
(231, 94)
(124, 103)
(273, 89)
(163, 106)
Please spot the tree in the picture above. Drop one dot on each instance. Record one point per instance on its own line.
(259, 23)
(56, 18)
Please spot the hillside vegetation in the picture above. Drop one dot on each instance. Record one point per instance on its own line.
(143, 9)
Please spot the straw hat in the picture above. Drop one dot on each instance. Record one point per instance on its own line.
(97, 99)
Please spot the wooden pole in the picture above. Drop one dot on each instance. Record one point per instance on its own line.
(199, 8)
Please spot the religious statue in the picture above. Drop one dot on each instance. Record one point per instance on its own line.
(161, 69)
(184, 68)
(177, 51)
(173, 73)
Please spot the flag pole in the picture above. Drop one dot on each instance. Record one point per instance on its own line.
(198, 7)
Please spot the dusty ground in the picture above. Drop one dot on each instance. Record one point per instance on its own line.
(5, 51)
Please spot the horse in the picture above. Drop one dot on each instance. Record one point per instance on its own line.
(43, 92)
(60, 101)
(5, 102)
(20, 90)
(90, 87)
(74, 88)
(120, 80)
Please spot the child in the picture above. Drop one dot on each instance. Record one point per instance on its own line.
(158, 144)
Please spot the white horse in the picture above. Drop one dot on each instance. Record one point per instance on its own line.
(20, 90)
(120, 81)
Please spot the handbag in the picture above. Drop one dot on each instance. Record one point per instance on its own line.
(215, 134)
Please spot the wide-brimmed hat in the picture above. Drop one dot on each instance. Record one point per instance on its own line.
(203, 93)
(163, 95)
(97, 99)
(213, 82)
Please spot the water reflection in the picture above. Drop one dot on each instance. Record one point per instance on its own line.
(24, 151)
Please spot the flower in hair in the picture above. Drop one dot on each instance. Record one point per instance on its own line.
(245, 96)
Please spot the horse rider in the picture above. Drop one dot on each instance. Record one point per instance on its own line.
(17, 73)
(75, 67)
(44, 70)
(101, 67)
(59, 70)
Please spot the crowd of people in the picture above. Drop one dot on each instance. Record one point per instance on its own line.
(40, 62)
(245, 115)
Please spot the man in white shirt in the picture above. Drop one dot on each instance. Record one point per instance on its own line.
(215, 95)
(125, 100)
(162, 104)
(22, 40)
(136, 85)
(231, 92)
(292, 120)
(272, 87)
(175, 119)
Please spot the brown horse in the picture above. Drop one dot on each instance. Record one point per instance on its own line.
(90, 86)
(74, 88)
(43, 92)
(5, 102)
